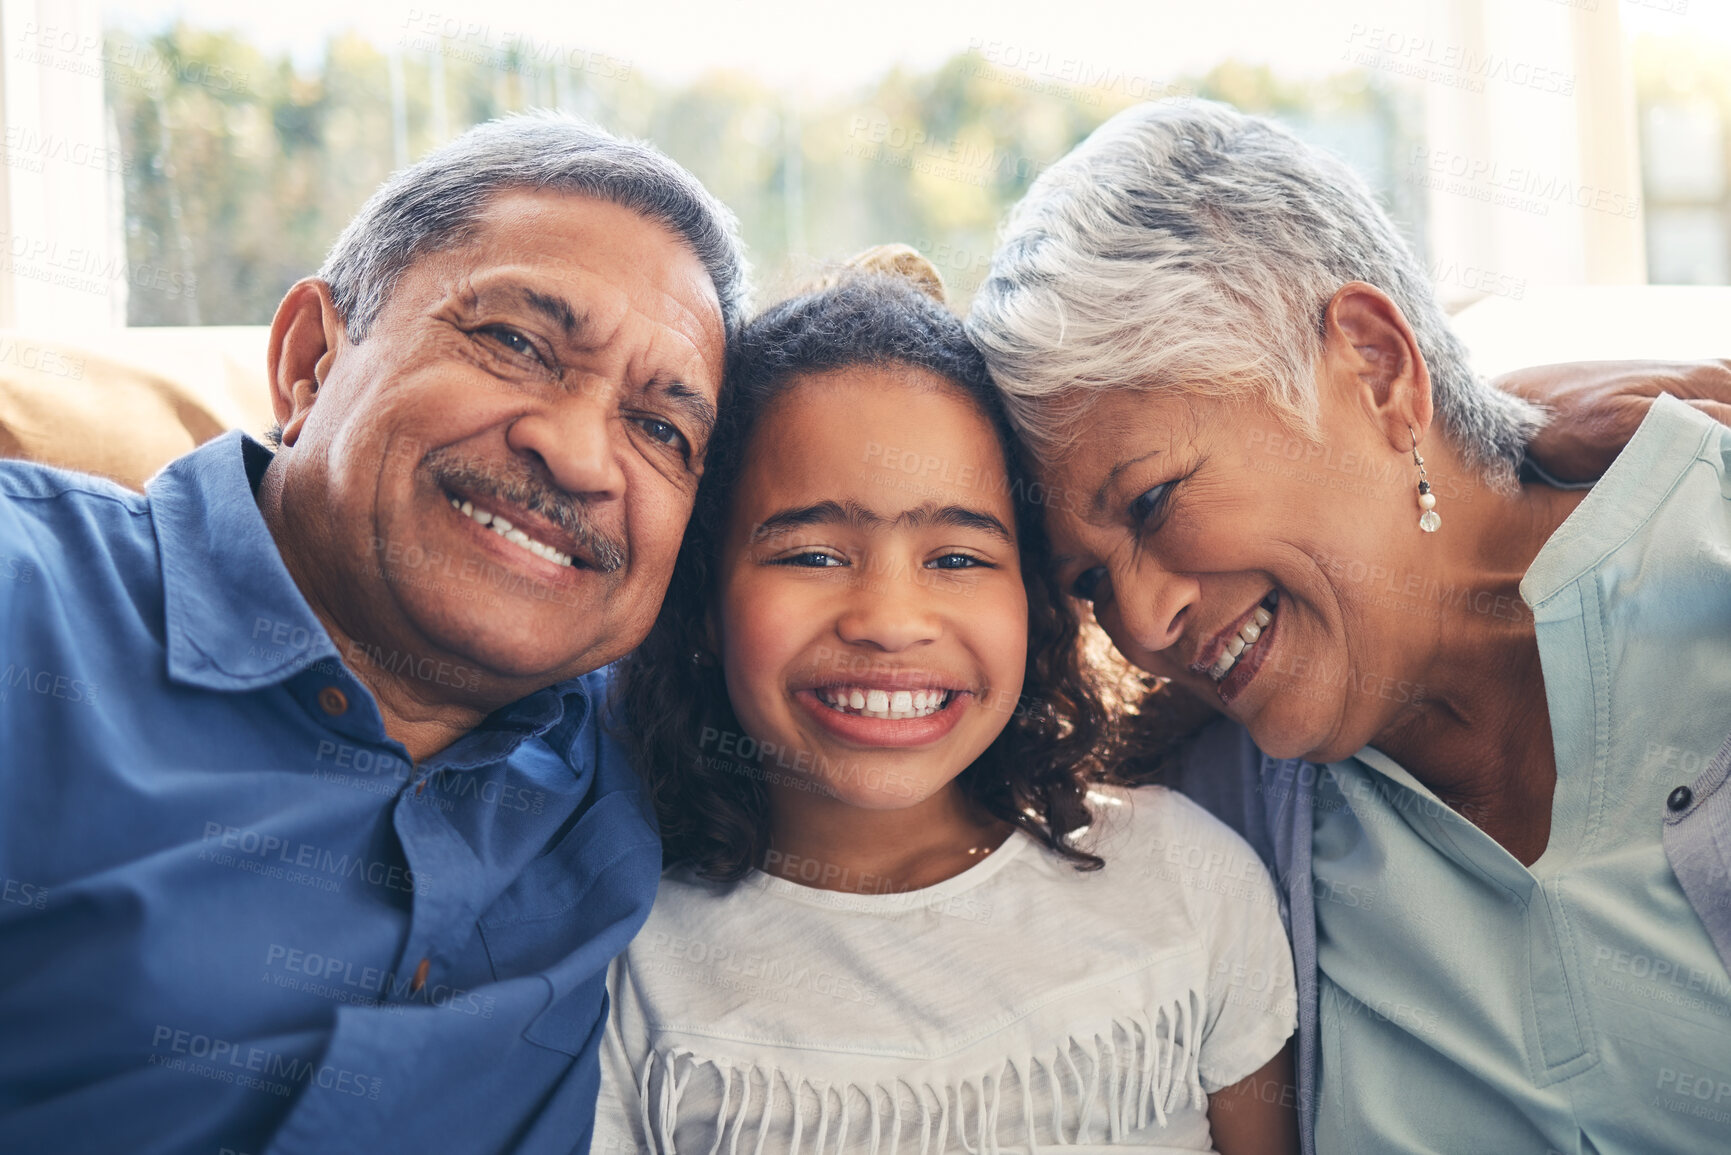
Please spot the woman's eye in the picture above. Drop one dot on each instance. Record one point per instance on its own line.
(1087, 583)
(956, 561)
(1151, 504)
(663, 431)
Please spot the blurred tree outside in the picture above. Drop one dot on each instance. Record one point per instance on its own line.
(241, 170)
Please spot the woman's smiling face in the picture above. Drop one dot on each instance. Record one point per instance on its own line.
(871, 620)
(1281, 579)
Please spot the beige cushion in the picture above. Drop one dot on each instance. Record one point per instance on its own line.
(127, 402)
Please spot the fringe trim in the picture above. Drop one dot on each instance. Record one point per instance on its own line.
(1122, 1079)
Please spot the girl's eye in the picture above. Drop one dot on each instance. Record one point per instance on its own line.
(1087, 583)
(810, 559)
(1150, 505)
(662, 431)
(956, 561)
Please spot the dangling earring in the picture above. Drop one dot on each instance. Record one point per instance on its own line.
(1428, 520)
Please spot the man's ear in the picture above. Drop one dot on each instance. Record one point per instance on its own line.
(1371, 356)
(304, 338)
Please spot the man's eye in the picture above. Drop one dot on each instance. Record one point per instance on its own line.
(1087, 583)
(957, 561)
(1150, 505)
(663, 431)
(511, 339)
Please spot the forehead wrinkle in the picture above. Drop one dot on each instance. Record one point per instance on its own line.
(592, 323)
(678, 360)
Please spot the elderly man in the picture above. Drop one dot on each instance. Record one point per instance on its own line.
(309, 838)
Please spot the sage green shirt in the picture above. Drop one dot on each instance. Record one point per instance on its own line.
(1471, 1004)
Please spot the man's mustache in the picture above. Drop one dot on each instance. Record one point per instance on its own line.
(530, 487)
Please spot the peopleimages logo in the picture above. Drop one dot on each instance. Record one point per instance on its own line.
(254, 1067)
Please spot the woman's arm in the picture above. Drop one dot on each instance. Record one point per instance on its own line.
(1599, 404)
(1258, 1115)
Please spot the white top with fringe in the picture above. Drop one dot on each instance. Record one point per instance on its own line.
(1019, 1006)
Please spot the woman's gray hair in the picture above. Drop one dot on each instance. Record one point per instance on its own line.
(435, 204)
(1187, 246)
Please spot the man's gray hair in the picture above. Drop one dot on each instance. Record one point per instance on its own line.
(435, 204)
(1187, 246)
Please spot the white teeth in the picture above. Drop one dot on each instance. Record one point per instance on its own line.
(1247, 636)
(511, 534)
(892, 704)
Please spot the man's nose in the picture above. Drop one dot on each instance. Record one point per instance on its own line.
(579, 437)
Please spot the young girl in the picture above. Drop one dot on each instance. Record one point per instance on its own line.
(896, 918)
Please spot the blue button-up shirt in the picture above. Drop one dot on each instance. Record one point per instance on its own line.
(236, 916)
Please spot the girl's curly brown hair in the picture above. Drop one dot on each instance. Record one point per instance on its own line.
(714, 808)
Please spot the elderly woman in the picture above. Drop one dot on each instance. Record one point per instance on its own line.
(1480, 705)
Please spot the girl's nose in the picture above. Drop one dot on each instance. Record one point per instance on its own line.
(890, 615)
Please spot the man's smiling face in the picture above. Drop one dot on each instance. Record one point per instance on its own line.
(557, 371)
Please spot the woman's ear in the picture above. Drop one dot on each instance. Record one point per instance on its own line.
(304, 337)
(1372, 360)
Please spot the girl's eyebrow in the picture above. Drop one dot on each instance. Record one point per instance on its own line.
(857, 516)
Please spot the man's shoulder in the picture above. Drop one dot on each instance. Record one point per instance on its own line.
(54, 519)
(30, 481)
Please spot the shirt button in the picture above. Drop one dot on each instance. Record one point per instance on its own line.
(420, 979)
(333, 700)
(1680, 798)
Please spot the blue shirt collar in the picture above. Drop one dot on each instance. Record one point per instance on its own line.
(236, 621)
(235, 618)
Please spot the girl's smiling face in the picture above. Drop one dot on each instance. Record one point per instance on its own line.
(871, 618)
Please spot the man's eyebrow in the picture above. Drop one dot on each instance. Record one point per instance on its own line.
(1112, 475)
(853, 514)
(698, 409)
(556, 309)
